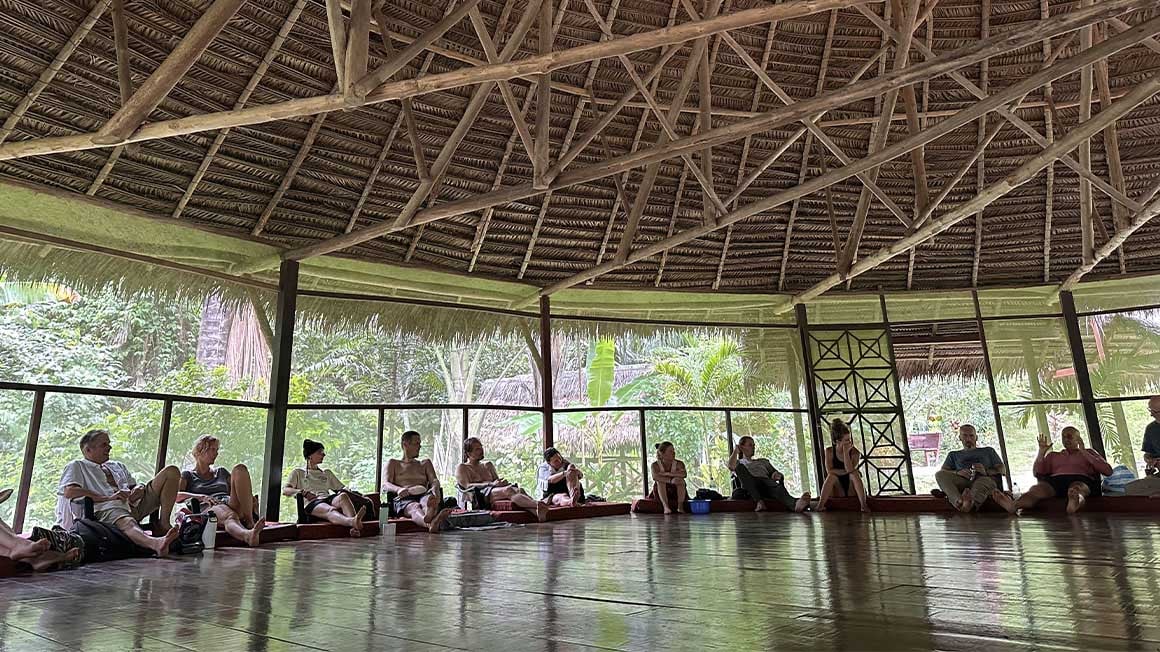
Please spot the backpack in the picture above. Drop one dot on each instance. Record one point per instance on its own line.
(708, 494)
(470, 519)
(190, 527)
(106, 543)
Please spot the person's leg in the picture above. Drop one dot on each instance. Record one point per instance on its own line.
(242, 494)
(662, 493)
(1077, 494)
(951, 484)
(232, 523)
(439, 517)
(415, 512)
(828, 489)
(682, 495)
(777, 491)
(521, 500)
(1147, 486)
(981, 489)
(859, 489)
(1028, 500)
(749, 484)
(575, 490)
(159, 545)
(17, 547)
(161, 494)
(559, 500)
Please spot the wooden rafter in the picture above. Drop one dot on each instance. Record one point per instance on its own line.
(336, 22)
(953, 60)
(49, 73)
(1111, 145)
(440, 82)
(1010, 116)
(980, 135)
(150, 94)
(1021, 175)
(509, 98)
(121, 42)
(933, 132)
(1086, 227)
(543, 101)
(1151, 210)
(672, 226)
(243, 97)
(1049, 128)
(358, 43)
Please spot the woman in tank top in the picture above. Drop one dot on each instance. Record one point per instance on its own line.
(842, 467)
(229, 494)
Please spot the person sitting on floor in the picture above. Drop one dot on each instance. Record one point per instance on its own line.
(416, 486)
(1149, 485)
(759, 480)
(969, 476)
(842, 467)
(559, 480)
(117, 498)
(321, 491)
(669, 475)
(36, 554)
(1073, 473)
(228, 494)
(480, 480)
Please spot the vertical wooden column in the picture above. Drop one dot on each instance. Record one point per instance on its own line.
(279, 388)
(729, 430)
(643, 452)
(546, 399)
(380, 428)
(815, 412)
(991, 387)
(1082, 378)
(163, 436)
(29, 459)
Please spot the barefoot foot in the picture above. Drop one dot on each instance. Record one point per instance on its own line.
(541, 512)
(1003, 500)
(30, 549)
(439, 521)
(802, 503)
(161, 544)
(1075, 501)
(760, 506)
(966, 500)
(254, 538)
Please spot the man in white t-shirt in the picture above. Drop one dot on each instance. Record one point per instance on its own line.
(118, 499)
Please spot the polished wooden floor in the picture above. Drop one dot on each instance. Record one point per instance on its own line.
(721, 582)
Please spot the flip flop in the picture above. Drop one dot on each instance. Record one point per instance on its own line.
(5, 495)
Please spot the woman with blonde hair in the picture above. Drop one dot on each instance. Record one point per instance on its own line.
(228, 494)
(842, 467)
(669, 475)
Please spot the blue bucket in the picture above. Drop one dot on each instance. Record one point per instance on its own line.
(699, 506)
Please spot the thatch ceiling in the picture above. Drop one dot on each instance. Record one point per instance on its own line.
(303, 180)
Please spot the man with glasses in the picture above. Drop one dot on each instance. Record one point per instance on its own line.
(1150, 484)
(118, 499)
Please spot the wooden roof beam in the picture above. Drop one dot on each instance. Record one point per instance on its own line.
(1049, 127)
(247, 91)
(1086, 226)
(509, 98)
(1151, 210)
(1142, 93)
(49, 73)
(146, 98)
(980, 135)
(336, 23)
(542, 149)
(358, 43)
(291, 172)
(933, 132)
(121, 42)
(1010, 116)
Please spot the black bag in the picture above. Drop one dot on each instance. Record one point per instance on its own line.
(190, 528)
(708, 494)
(105, 542)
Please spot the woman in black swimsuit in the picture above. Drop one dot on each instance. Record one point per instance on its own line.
(842, 468)
(229, 494)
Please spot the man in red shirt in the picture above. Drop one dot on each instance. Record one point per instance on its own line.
(1073, 472)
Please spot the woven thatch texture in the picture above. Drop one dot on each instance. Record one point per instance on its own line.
(575, 227)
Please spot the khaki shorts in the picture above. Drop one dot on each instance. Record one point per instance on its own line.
(114, 511)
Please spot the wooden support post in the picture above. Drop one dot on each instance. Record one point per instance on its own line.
(275, 448)
(163, 434)
(1082, 377)
(641, 414)
(134, 112)
(358, 43)
(815, 411)
(547, 396)
(30, 444)
(1087, 228)
(980, 324)
(380, 428)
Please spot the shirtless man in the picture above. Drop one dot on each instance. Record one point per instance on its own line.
(481, 480)
(416, 486)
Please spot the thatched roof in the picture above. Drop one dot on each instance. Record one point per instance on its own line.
(296, 177)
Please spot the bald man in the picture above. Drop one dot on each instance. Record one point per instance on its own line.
(1149, 485)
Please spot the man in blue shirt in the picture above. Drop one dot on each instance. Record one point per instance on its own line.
(1149, 485)
(969, 476)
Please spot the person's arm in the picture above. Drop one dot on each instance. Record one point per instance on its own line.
(74, 491)
(294, 485)
(1098, 462)
(332, 481)
(389, 485)
(569, 465)
(658, 474)
(432, 476)
(997, 468)
(1042, 466)
(679, 470)
(732, 461)
(182, 486)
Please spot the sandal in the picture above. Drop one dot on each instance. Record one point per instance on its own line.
(5, 494)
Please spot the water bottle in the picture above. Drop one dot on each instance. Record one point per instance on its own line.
(209, 534)
(1016, 492)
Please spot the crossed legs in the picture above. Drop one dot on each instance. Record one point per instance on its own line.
(426, 512)
(521, 500)
(1077, 495)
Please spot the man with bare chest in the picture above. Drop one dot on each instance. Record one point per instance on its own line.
(416, 486)
(480, 480)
